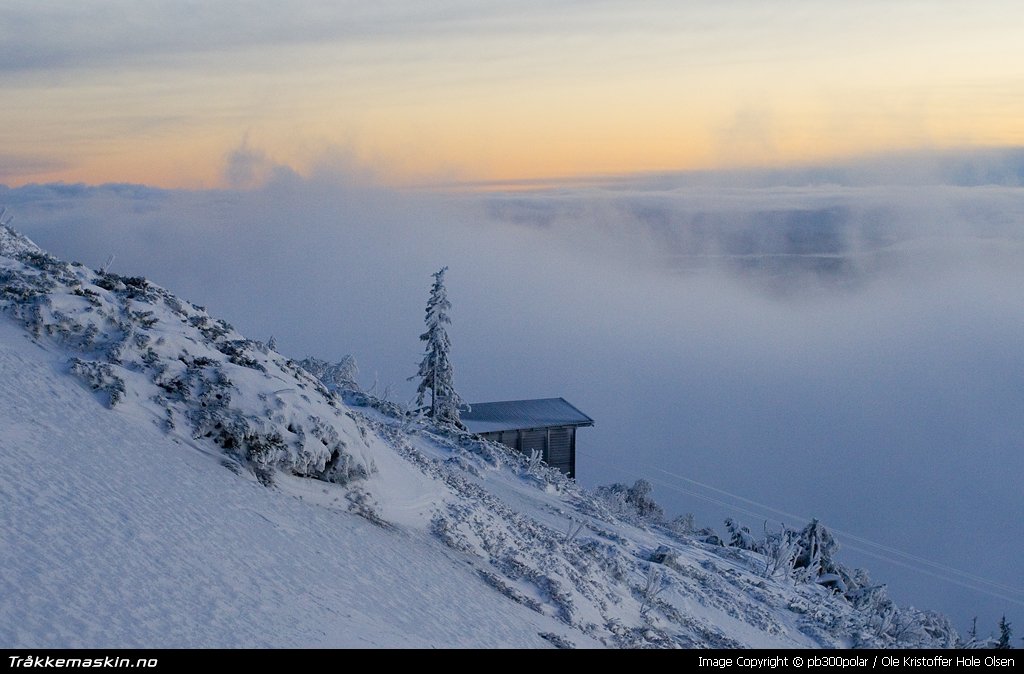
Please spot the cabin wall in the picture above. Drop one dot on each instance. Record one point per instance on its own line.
(557, 445)
(559, 454)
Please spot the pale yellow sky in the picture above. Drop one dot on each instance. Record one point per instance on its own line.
(163, 92)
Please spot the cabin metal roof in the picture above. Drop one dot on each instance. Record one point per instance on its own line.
(510, 415)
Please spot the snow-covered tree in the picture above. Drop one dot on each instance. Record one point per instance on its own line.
(435, 373)
(1004, 634)
(815, 548)
(740, 536)
(972, 636)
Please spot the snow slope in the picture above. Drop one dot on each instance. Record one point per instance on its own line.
(117, 534)
(166, 482)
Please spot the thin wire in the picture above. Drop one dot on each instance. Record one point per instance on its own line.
(870, 553)
(939, 576)
(860, 539)
(996, 586)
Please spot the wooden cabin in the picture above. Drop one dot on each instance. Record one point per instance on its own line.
(547, 425)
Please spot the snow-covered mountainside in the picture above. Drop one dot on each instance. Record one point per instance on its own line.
(166, 482)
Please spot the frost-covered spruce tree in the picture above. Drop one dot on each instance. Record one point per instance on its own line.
(1004, 634)
(435, 373)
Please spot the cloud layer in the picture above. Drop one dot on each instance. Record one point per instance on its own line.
(824, 342)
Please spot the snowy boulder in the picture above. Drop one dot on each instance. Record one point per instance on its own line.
(664, 555)
(833, 581)
(708, 535)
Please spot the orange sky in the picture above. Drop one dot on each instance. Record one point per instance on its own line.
(496, 90)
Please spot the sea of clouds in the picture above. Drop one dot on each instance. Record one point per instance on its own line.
(843, 342)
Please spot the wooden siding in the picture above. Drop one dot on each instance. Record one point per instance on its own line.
(560, 449)
(530, 441)
(557, 446)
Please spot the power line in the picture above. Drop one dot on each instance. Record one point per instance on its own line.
(870, 553)
(859, 539)
(967, 580)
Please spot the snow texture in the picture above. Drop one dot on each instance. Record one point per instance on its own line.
(167, 482)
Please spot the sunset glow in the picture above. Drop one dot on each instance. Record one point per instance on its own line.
(493, 91)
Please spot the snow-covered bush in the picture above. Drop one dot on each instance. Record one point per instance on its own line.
(654, 585)
(815, 557)
(99, 377)
(125, 335)
(337, 377)
(740, 536)
(779, 550)
(685, 525)
(632, 501)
